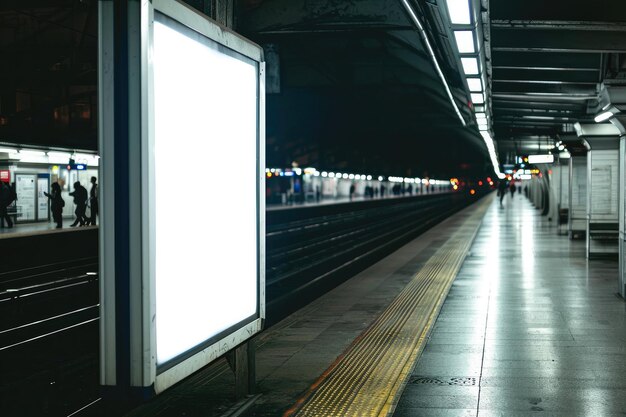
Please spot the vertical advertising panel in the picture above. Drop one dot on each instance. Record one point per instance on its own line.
(25, 189)
(206, 96)
(205, 107)
(43, 185)
(183, 261)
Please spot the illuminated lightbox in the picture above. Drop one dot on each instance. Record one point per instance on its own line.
(183, 269)
(207, 239)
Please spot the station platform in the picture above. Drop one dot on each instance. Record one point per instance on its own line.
(345, 200)
(489, 313)
(26, 229)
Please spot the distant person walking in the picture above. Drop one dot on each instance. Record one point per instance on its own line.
(352, 188)
(56, 204)
(93, 202)
(80, 199)
(502, 190)
(7, 196)
(512, 188)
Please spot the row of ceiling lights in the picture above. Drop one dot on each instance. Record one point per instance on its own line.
(464, 27)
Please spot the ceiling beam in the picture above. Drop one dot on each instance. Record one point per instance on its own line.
(559, 25)
(506, 86)
(550, 69)
(548, 40)
(524, 103)
(498, 110)
(574, 76)
(548, 97)
(542, 60)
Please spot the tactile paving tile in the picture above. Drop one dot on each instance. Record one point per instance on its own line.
(366, 379)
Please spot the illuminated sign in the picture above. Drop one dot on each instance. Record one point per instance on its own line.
(195, 287)
(5, 175)
(77, 167)
(206, 266)
(541, 159)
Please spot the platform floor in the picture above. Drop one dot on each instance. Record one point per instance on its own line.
(530, 327)
(24, 229)
(344, 200)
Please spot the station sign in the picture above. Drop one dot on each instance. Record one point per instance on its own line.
(197, 288)
(76, 167)
(5, 175)
(541, 159)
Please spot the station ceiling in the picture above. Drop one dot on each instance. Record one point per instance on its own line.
(351, 83)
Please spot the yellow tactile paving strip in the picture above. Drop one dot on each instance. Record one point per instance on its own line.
(366, 379)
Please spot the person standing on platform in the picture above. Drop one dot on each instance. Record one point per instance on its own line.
(6, 198)
(501, 190)
(513, 188)
(93, 202)
(80, 199)
(351, 191)
(56, 204)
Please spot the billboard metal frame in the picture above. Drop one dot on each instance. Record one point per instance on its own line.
(127, 244)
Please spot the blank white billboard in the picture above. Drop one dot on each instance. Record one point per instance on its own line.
(206, 124)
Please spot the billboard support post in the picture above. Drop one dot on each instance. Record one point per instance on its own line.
(176, 295)
(242, 361)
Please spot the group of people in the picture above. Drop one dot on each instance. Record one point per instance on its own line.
(502, 189)
(80, 200)
(80, 196)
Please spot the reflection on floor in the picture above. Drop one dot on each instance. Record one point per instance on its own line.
(529, 326)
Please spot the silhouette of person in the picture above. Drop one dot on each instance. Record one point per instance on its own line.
(80, 199)
(6, 198)
(502, 190)
(93, 201)
(56, 204)
(513, 189)
(351, 191)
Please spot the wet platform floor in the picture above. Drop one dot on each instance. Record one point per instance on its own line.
(530, 327)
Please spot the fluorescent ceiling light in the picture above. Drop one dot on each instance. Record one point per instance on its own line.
(477, 98)
(483, 128)
(475, 85)
(541, 159)
(32, 153)
(481, 116)
(481, 122)
(470, 65)
(459, 12)
(603, 116)
(465, 41)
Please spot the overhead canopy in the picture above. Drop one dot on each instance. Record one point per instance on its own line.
(548, 60)
(351, 84)
(358, 89)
